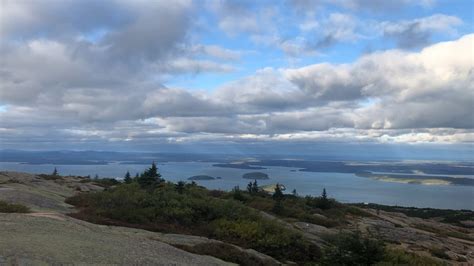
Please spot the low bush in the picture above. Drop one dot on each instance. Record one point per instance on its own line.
(440, 253)
(352, 249)
(194, 211)
(51, 177)
(6, 207)
(401, 257)
(105, 182)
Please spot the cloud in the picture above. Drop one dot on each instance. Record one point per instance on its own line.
(412, 89)
(59, 19)
(418, 32)
(383, 6)
(218, 52)
(378, 96)
(310, 7)
(102, 78)
(187, 65)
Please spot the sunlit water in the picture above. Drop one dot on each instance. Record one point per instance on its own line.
(343, 187)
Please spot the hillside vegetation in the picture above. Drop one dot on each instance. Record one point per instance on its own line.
(248, 218)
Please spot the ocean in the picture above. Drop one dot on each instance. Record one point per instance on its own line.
(344, 187)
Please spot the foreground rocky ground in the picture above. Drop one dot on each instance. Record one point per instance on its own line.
(48, 236)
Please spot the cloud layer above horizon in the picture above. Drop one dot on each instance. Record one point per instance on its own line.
(82, 72)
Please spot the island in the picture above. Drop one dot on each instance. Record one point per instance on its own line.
(255, 175)
(238, 166)
(203, 177)
(418, 179)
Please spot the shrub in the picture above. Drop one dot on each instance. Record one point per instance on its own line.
(440, 253)
(352, 249)
(6, 207)
(51, 177)
(193, 211)
(106, 182)
(401, 257)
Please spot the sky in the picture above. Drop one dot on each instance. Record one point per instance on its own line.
(139, 75)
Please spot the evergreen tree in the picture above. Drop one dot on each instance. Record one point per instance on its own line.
(250, 187)
(278, 195)
(96, 177)
(150, 178)
(55, 172)
(325, 203)
(127, 179)
(294, 193)
(255, 187)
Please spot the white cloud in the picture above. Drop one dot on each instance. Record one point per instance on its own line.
(62, 80)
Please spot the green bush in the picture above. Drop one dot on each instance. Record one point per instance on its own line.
(352, 249)
(195, 211)
(106, 182)
(6, 207)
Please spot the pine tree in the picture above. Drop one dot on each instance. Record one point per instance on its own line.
(325, 203)
(152, 171)
(96, 177)
(55, 172)
(249, 187)
(127, 179)
(294, 193)
(278, 195)
(255, 187)
(151, 178)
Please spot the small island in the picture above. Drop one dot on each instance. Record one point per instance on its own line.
(256, 175)
(203, 177)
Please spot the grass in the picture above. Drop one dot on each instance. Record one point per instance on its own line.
(6, 207)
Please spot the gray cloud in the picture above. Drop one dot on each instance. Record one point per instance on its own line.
(415, 93)
(60, 19)
(418, 32)
(76, 83)
(371, 97)
(308, 6)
